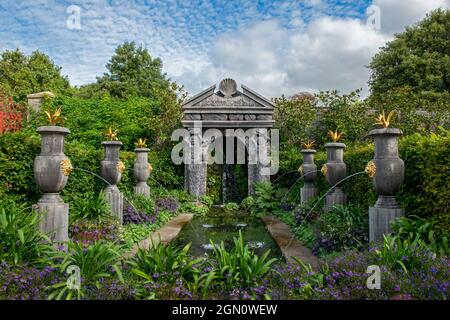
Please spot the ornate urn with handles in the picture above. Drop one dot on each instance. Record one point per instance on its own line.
(51, 170)
(309, 172)
(390, 168)
(142, 171)
(111, 169)
(335, 171)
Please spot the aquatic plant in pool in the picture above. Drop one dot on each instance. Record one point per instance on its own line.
(224, 227)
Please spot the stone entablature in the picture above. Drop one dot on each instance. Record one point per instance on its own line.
(228, 108)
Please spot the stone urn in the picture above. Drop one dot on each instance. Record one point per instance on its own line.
(387, 181)
(336, 170)
(309, 172)
(390, 169)
(142, 171)
(111, 169)
(51, 171)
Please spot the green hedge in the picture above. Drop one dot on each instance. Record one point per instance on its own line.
(425, 191)
(18, 150)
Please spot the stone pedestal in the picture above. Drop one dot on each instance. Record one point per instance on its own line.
(111, 171)
(51, 171)
(387, 181)
(141, 172)
(336, 197)
(309, 173)
(308, 192)
(380, 221)
(54, 218)
(115, 199)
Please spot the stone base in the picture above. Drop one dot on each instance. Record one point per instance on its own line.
(115, 199)
(54, 220)
(142, 188)
(337, 197)
(307, 193)
(379, 221)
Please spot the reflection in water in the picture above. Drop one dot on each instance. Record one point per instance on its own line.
(223, 227)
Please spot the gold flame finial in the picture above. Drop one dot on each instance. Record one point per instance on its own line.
(141, 143)
(111, 134)
(385, 121)
(309, 144)
(55, 118)
(335, 135)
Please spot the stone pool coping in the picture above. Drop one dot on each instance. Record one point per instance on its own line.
(165, 234)
(289, 245)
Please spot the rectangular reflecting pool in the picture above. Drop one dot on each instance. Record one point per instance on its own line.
(223, 227)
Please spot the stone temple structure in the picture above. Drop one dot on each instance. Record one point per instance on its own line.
(239, 120)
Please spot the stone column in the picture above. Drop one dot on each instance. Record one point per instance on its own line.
(387, 181)
(142, 171)
(309, 168)
(258, 147)
(336, 170)
(51, 170)
(196, 171)
(111, 170)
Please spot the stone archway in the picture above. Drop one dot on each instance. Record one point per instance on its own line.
(244, 114)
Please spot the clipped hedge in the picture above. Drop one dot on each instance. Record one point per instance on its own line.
(425, 191)
(18, 150)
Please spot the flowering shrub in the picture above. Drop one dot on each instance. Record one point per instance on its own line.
(130, 215)
(89, 231)
(25, 282)
(170, 204)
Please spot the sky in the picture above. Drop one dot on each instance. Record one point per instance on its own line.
(273, 47)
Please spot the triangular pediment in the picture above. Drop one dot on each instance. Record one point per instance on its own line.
(230, 98)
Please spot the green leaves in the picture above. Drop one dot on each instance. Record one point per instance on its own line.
(168, 261)
(20, 239)
(240, 267)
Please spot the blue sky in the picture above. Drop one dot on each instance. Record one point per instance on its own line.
(275, 47)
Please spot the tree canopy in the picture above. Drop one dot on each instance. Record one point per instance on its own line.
(21, 75)
(417, 58)
(131, 72)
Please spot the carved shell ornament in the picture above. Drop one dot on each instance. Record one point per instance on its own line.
(228, 87)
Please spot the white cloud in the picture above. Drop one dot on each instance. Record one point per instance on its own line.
(282, 48)
(397, 14)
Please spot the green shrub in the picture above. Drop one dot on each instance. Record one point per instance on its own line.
(398, 254)
(240, 267)
(206, 200)
(90, 207)
(265, 199)
(167, 261)
(197, 208)
(231, 206)
(95, 262)
(345, 226)
(20, 239)
(247, 203)
(426, 188)
(141, 202)
(410, 228)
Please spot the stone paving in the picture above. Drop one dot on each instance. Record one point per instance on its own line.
(165, 234)
(289, 245)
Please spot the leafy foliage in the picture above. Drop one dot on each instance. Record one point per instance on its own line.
(21, 75)
(167, 260)
(20, 239)
(417, 58)
(240, 267)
